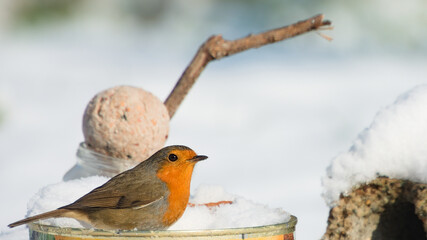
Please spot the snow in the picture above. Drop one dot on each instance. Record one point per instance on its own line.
(14, 235)
(270, 120)
(394, 145)
(60, 194)
(241, 213)
(269, 143)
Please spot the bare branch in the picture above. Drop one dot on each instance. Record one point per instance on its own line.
(216, 48)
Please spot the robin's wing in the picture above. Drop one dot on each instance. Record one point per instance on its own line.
(126, 190)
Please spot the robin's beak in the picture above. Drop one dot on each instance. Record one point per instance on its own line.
(198, 158)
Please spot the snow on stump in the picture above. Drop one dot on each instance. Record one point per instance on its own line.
(384, 208)
(365, 205)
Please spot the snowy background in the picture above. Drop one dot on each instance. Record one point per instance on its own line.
(270, 120)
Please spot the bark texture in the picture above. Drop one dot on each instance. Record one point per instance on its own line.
(383, 209)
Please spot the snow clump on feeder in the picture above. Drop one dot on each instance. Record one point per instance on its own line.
(233, 212)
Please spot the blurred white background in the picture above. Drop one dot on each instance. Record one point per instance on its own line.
(270, 119)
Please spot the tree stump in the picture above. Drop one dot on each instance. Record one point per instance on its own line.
(382, 209)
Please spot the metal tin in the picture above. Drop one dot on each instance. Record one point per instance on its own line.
(283, 231)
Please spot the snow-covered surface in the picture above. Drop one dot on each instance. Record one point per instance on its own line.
(60, 194)
(241, 213)
(270, 143)
(394, 145)
(270, 120)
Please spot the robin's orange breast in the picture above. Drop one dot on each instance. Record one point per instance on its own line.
(177, 179)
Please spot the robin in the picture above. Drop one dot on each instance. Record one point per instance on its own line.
(151, 196)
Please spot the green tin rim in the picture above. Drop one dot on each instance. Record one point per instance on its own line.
(250, 232)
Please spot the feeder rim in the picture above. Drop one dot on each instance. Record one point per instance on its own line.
(273, 229)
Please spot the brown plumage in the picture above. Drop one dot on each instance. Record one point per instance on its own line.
(151, 196)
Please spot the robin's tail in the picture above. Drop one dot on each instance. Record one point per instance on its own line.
(51, 214)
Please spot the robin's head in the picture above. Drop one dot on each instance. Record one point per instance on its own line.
(175, 162)
(176, 155)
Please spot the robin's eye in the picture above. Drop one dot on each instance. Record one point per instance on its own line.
(173, 157)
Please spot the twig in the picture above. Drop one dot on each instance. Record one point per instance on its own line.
(216, 47)
(210, 204)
